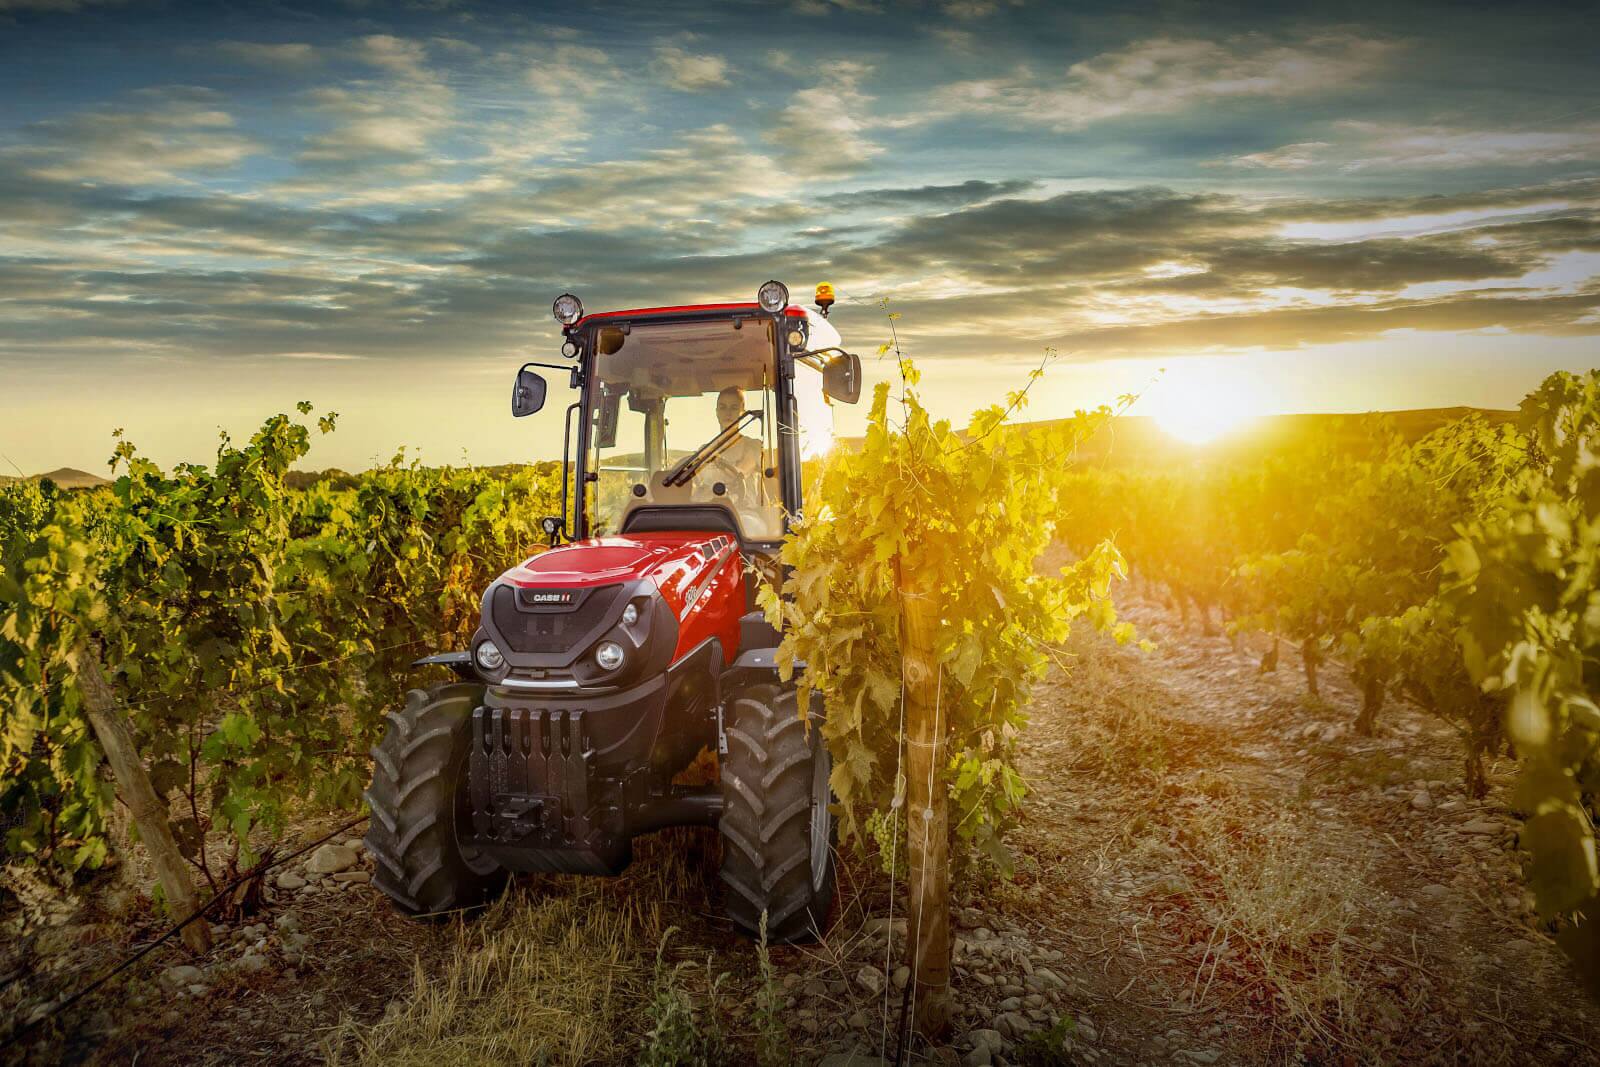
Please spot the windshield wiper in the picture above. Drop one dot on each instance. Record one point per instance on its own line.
(690, 465)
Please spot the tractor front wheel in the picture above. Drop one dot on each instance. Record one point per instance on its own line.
(777, 830)
(421, 808)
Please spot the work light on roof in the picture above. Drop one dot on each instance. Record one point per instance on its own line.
(773, 297)
(568, 309)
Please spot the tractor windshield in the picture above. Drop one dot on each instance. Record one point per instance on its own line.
(684, 413)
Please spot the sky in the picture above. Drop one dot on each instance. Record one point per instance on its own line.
(211, 211)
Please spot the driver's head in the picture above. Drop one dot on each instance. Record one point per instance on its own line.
(730, 405)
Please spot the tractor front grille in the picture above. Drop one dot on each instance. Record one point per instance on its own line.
(546, 630)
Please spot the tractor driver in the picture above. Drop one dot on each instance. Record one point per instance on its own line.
(739, 465)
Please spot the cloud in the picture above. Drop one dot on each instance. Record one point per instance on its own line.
(571, 70)
(1394, 145)
(383, 120)
(701, 176)
(161, 136)
(57, 6)
(1289, 157)
(825, 128)
(1369, 145)
(691, 73)
(1164, 75)
(270, 55)
(829, 7)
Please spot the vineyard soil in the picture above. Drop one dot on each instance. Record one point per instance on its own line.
(1211, 869)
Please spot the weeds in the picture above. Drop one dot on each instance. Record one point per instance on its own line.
(677, 1036)
(1048, 1048)
(772, 1036)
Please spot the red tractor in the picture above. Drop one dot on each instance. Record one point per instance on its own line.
(606, 665)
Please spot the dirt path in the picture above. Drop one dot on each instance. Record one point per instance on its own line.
(1239, 879)
(1211, 870)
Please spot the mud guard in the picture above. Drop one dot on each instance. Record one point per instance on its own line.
(459, 662)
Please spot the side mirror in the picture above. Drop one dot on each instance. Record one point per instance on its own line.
(527, 396)
(841, 378)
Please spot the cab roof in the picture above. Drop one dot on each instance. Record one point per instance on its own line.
(792, 311)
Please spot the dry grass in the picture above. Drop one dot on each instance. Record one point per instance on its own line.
(552, 980)
(1280, 909)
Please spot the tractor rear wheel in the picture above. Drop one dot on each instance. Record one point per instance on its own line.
(421, 809)
(777, 831)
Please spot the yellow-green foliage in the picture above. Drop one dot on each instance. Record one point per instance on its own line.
(966, 517)
(1526, 582)
(255, 633)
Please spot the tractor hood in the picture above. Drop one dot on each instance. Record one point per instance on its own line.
(673, 562)
(549, 614)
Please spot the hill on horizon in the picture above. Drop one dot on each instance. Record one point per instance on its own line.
(1132, 438)
(65, 477)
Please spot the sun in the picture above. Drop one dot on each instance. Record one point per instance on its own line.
(1200, 404)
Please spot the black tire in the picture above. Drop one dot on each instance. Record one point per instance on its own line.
(420, 806)
(777, 846)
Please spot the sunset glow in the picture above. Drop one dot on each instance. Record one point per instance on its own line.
(1200, 404)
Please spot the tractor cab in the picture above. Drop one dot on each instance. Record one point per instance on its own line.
(695, 418)
(608, 664)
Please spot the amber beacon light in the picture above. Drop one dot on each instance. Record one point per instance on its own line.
(824, 298)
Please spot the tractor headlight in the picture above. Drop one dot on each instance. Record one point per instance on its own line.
(773, 297)
(609, 655)
(630, 614)
(488, 657)
(567, 309)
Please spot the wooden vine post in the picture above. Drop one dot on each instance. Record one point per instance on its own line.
(115, 734)
(927, 818)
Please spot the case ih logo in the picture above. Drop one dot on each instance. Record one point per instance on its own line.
(537, 597)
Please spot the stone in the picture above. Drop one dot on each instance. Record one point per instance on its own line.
(816, 988)
(287, 921)
(290, 880)
(989, 1039)
(1421, 801)
(1010, 1004)
(902, 975)
(330, 858)
(1014, 1025)
(854, 1058)
(878, 925)
(1048, 979)
(1435, 892)
(183, 975)
(1204, 1055)
(857, 1020)
(978, 1056)
(353, 877)
(197, 990)
(1085, 1030)
(870, 979)
(1482, 826)
(252, 962)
